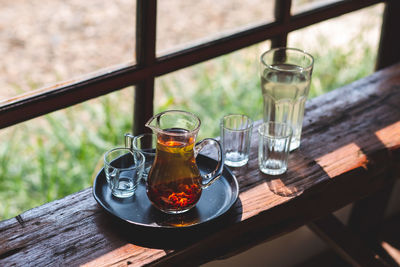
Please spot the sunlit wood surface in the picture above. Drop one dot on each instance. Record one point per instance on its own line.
(350, 149)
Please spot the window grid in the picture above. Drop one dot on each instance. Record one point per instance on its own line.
(148, 66)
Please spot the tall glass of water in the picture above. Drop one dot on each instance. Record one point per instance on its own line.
(285, 82)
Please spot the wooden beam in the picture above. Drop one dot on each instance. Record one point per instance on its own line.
(146, 15)
(348, 245)
(367, 215)
(282, 16)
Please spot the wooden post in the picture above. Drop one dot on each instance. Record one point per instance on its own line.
(146, 16)
(282, 15)
(389, 52)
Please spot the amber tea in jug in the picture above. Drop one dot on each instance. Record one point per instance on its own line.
(169, 192)
(174, 184)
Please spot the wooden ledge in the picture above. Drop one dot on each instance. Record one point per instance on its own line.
(350, 145)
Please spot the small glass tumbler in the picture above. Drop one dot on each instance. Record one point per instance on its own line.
(146, 144)
(235, 138)
(273, 147)
(123, 168)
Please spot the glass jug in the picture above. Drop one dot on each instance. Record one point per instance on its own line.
(174, 183)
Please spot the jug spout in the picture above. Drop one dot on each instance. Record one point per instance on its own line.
(154, 123)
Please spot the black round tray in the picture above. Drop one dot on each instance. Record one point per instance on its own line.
(215, 200)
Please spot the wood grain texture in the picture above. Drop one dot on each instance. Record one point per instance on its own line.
(351, 141)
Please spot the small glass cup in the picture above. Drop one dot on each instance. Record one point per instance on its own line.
(145, 144)
(235, 138)
(273, 148)
(123, 168)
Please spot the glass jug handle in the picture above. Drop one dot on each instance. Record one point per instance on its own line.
(129, 140)
(211, 177)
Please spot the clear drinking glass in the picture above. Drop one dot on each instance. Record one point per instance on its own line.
(145, 144)
(235, 137)
(123, 168)
(273, 147)
(285, 83)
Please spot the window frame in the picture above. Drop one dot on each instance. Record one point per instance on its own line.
(148, 67)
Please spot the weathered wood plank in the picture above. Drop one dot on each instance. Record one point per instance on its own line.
(350, 141)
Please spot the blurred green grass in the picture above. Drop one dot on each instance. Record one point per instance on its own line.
(59, 154)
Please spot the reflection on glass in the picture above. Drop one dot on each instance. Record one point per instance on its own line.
(48, 41)
(181, 23)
